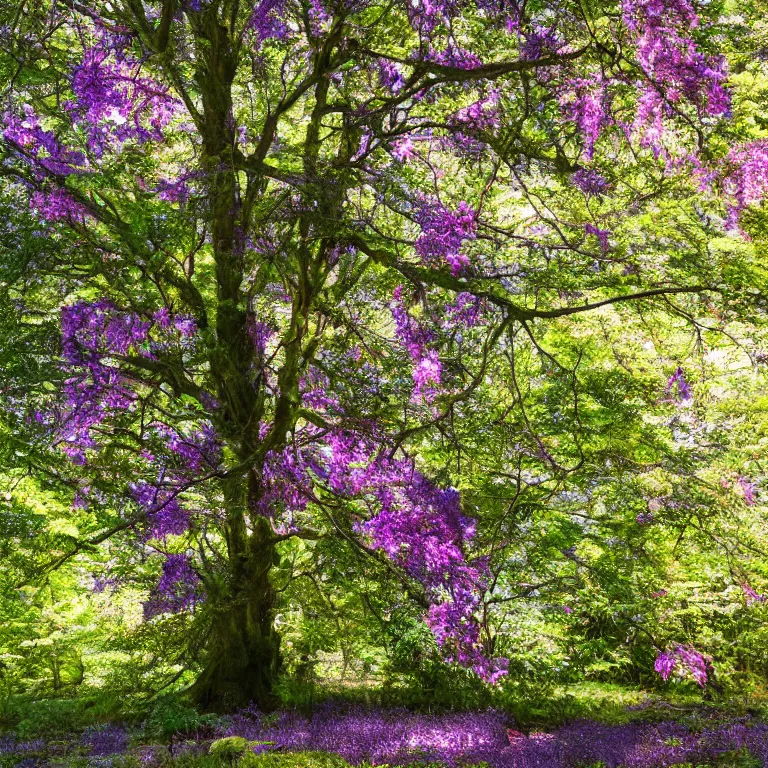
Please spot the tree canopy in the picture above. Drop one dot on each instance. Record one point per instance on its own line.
(426, 321)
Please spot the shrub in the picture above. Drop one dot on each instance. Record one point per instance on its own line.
(172, 714)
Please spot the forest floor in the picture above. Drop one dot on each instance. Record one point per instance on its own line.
(589, 727)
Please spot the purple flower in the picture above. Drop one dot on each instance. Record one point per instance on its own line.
(479, 116)
(58, 205)
(664, 665)
(41, 146)
(587, 106)
(178, 589)
(602, 235)
(165, 515)
(390, 76)
(685, 661)
(590, 181)
(105, 740)
(748, 488)
(268, 21)
(402, 150)
(661, 30)
(745, 179)
(537, 43)
(173, 191)
(427, 373)
(678, 383)
(443, 232)
(114, 103)
(751, 595)
(454, 57)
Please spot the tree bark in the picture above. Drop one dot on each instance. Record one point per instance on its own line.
(242, 653)
(242, 656)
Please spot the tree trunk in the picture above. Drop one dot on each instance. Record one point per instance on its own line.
(243, 651)
(242, 654)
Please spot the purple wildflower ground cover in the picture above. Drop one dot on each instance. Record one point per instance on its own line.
(398, 738)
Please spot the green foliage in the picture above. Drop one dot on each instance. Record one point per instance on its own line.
(565, 443)
(173, 714)
(33, 718)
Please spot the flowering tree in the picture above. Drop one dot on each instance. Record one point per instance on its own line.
(291, 239)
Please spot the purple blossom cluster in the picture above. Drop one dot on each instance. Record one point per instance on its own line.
(672, 65)
(92, 333)
(590, 182)
(165, 515)
(746, 181)
(114, 38)
(172, 327)
(536, 42)
(586, 104)
(679, 386)
(481, 115)
(178, 590)
(467, 310)
(58, 205)
(453, 56)
(416, 338)
(40, 146)
(602, 235)
(316, 392)
(105, 740)
(424, 531)
(115, 103)
(390, 76)
(427, 373)
(426, 15)
(443, 232)
(748, 489)
(267, 21)
(319, 18)
(197, 450)
(751, 595)
(403, 149)
(419, 526)
(173, 190)
(684, 661)
(470, 122)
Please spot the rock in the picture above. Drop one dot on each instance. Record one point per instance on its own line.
(230, 747)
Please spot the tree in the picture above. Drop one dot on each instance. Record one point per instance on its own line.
(292, 241)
